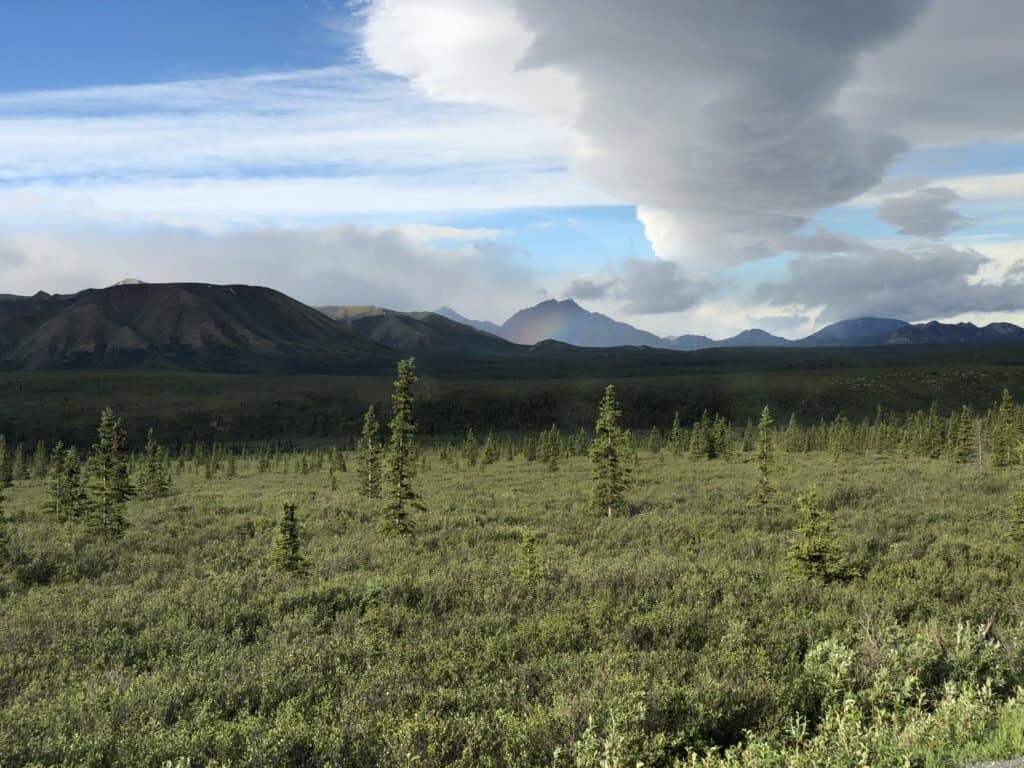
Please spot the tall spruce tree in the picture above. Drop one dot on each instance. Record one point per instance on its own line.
(109, 483)
(765, 458)
(287, 555)
(401, 459)
(608, 455)
(368, 456)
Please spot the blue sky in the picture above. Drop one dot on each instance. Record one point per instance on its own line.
(61, 44)
(314, 146)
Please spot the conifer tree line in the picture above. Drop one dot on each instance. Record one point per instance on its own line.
(965, 435)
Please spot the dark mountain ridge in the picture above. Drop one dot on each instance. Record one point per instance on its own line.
(195, 326)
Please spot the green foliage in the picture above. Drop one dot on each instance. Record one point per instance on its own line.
(19, 468)
(5, 534)
(676, 436)
(40, 462)
(611, 471)
(109, 484)
(1017, 518)
(815, 552)
(401, 465)
(67, 499)
(765, 457)
(518, 630)
(490, 453)
(155, 480)
(470, 448)
(287, 555)
(965, 443)
(1006, 437)
(369, 456)
(550, 448)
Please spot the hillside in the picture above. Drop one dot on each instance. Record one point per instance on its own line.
(422, 333)
(190, 326)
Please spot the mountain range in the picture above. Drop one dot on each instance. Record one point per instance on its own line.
(249, 329)
(568, 322)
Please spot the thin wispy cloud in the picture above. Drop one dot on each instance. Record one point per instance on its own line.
(336, 140)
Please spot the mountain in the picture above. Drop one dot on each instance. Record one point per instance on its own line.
(230, 328)
(857, 332)
(753, 337)
(687, 343)
(958, 333)
(425, 333)
(481, 325)
(567, 321)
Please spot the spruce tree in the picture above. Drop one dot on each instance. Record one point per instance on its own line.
(369, 456)
(814, 552)
(793, 437)
(40, 462)
(5, 534)
(550, 448)
(108, 476)
(490, 453)
(155, 481)
(67, 498)
(765, 458)
(964, 445)
(721, 438)
(287, 555)
(654, 440)
(470, 449)
(702, 444)
(611, 471)
(677, 437)
(5, 463)
(1005, 439)
(19, 469)
(401, 459)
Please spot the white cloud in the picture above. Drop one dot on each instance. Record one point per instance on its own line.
(329, 141)
(717, 119)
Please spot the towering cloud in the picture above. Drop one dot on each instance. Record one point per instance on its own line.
(717, 119)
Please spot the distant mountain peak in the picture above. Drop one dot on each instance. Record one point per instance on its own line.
(129, 281)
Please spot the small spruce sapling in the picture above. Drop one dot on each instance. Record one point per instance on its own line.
(815, 552)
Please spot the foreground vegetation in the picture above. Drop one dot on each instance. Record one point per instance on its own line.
(702, 594)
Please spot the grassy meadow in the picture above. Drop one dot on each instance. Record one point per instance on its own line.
(518, 628)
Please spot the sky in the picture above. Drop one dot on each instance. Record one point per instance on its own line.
(688, 167)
